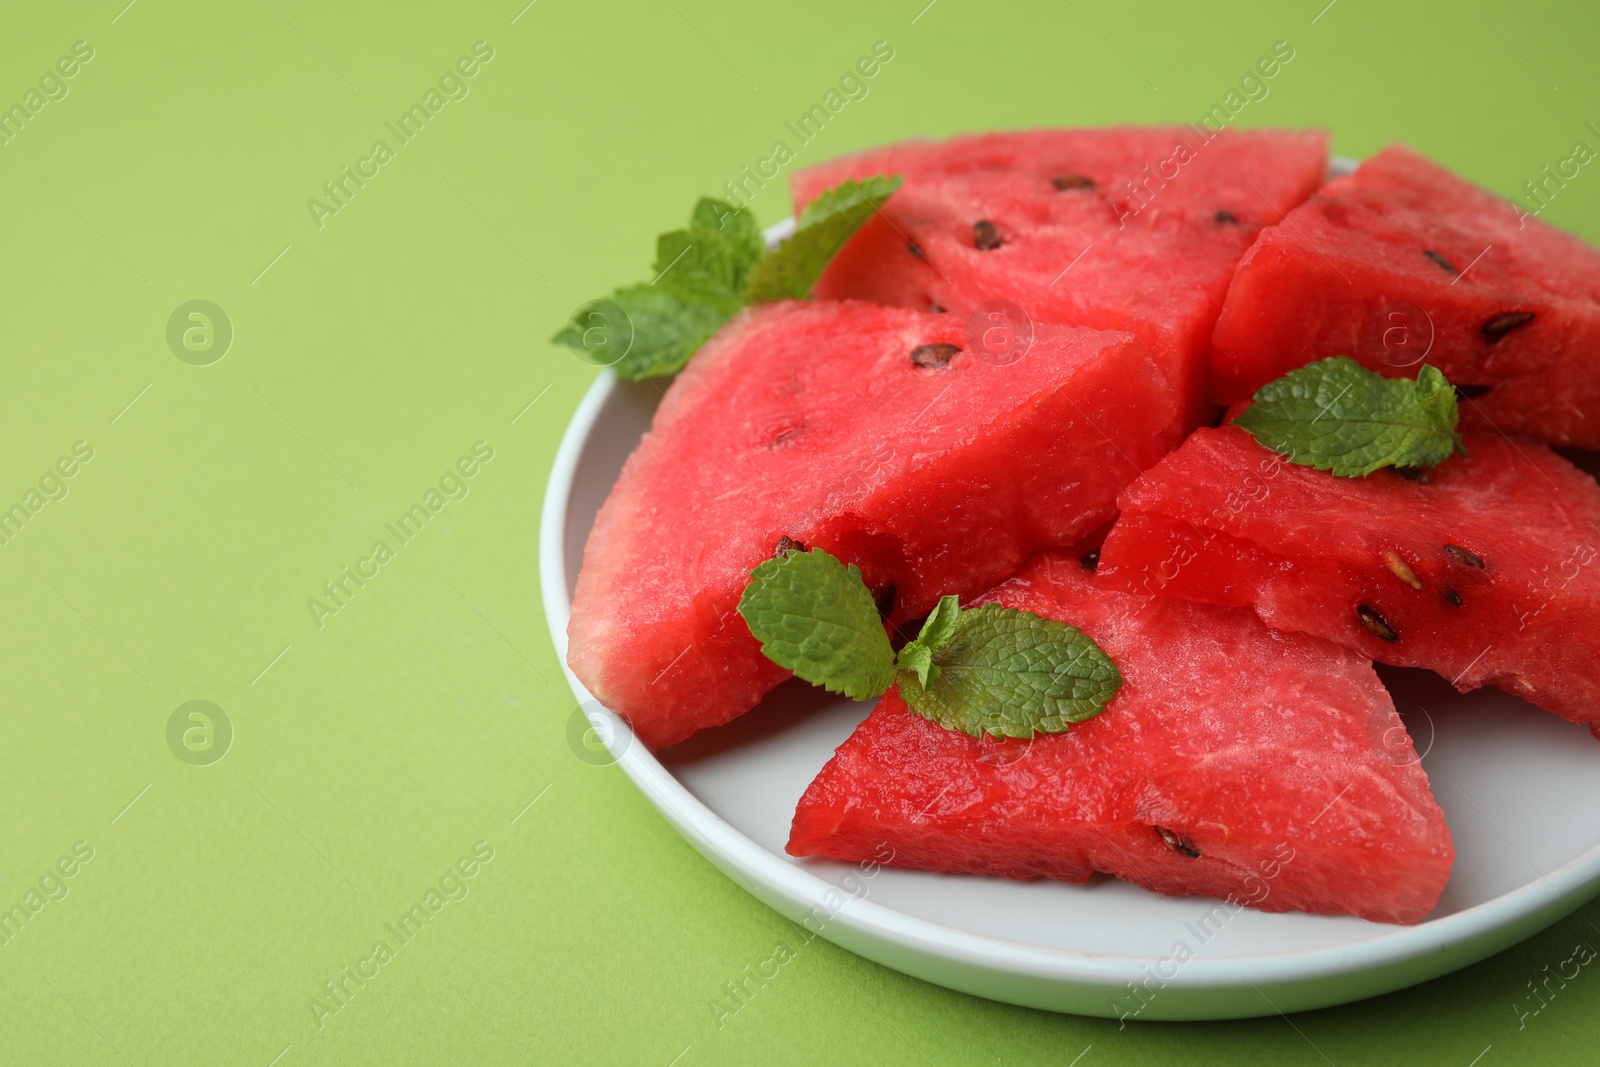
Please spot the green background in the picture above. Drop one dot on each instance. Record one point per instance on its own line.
(372, 752)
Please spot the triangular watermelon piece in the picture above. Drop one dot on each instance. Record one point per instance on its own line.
(1482, 569)
(863, 430)
(1238, 762)
(1126, 228)
(1403, 262)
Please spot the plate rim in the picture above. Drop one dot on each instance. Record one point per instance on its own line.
(1396, 956)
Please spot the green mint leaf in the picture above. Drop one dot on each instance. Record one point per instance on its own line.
(737, 225)
(917, 656)
(1012, 673)
(822, 229)
(642, 331)
(1337, 416)
(815, 616)
(705, 274)
(941, 624)
(708, 262)
(698, 265)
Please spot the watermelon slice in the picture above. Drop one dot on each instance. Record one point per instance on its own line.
(1483, 569)
(1237, 762)
(862, 430)
(1403, 261)
(1123, 229)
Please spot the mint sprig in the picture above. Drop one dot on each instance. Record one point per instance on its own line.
(704, 274)
(1338, 416)
(990, 670)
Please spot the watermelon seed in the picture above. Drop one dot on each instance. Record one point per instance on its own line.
(1472, 392)
(1090, 560)
(787, 544)
(783, 437)
(1072, 181)
(1463, 556)
(912, 245)
(932, 355)
(1376, 625)
(985, 235)
(1177, 844)
(884, 600)
(1451, 597)
(1504, 323)
(937, 309)
(1437, 258)
(1413, 474)
(1226, 218)
(1401, 569)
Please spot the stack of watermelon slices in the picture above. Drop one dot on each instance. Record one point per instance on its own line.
(1252, 754)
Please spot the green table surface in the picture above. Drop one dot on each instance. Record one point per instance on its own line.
(379, 750)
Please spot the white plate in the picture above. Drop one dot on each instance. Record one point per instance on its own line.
(1518, 787)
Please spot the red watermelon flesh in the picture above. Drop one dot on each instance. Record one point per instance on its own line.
(1403, 261)
(1236, 761)
(1123, 229)
(814, 422)
(1485, 572)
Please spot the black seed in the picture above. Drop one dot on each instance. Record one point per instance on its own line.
(1437, 258)
(1376, 624)
(1413, 474)
(787, 544)
(1072, 181)
(1089, 561)
(1178, 844)
(1451, 597)
(937, 309)
(912, 245)
(1504, 323)
(932, 355)
(1471, 392)
(985, 235)
(783, 437)
(1226, 218)
(1463, 556)
(884, 599)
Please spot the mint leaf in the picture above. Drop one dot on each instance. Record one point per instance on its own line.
(941, 623)
(708, 262)
(704, 274)
(1011, 673)
(815, 616)
(642, 331)
(917, 656)
(699, 266)
(737, 225)
(1337, 416)
(822, 229)
(917, 659)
